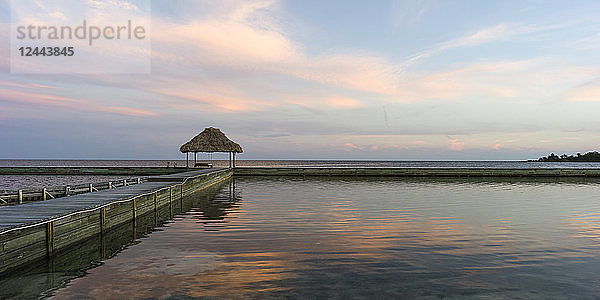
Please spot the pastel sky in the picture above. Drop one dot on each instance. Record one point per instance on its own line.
(397, 80)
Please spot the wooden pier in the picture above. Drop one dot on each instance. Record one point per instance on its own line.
(36, 230)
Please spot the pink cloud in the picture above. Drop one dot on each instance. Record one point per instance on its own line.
(68, 103)
(248, 38)
(588, 92)
(223, 99)
(350, 145)
(344, 103)
(26, 85)
(455, 145)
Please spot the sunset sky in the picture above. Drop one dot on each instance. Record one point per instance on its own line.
(397, 80)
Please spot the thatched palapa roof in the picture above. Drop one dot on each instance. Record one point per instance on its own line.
(211, 140)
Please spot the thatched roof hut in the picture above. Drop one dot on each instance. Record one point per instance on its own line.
(211, 140)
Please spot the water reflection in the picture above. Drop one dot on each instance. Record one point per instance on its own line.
(365, 237)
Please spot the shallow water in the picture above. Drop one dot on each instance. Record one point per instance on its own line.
(365, 238)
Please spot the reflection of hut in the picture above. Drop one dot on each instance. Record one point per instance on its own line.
(211, 140)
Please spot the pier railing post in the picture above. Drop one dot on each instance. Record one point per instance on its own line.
(156, 208)
(134, 212)
(110, 185)
(20, 196)
(91, 188)
(102, 220)
(181, 197)
(139, 180)
(170, 201)
(50, 238)
(44, 194)
(155, 201)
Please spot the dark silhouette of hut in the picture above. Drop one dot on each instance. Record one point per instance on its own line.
(211, 140)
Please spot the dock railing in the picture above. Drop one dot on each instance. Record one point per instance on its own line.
(41, 194)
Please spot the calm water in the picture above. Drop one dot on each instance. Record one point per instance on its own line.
(365, 238)
(12, 182)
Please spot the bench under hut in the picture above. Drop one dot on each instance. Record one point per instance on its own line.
(209, 141)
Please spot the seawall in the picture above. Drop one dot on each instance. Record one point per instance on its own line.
(417, 172)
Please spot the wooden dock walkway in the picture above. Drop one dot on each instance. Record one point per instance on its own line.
(35, 230)
(32, 212)
(17, 215)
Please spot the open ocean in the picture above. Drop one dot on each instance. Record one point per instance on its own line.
(14, 182)
(309, 163)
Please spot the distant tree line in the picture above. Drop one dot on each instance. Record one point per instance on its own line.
(588, 157)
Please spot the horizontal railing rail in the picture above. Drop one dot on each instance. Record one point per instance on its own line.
(41, 194)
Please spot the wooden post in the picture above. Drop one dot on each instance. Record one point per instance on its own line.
(133, 208)
(187, 159)
(91, 188)
(124, 182)
(234, 159)
(102, 220)
(195, 159)
(110, 185)
(44, 194)
(156, 208)
(20, 196)
(170, 201)
(50, 238)
(156, 202)
(229, 159)
(139, 180)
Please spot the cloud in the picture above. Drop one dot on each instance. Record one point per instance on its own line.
(355, 147)
(456, 145)
(409, 12)
(217, 97)
(532, 79)
(490, 34)
(20, 97)
(246, 39)
(343, 103)
(589, 92)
